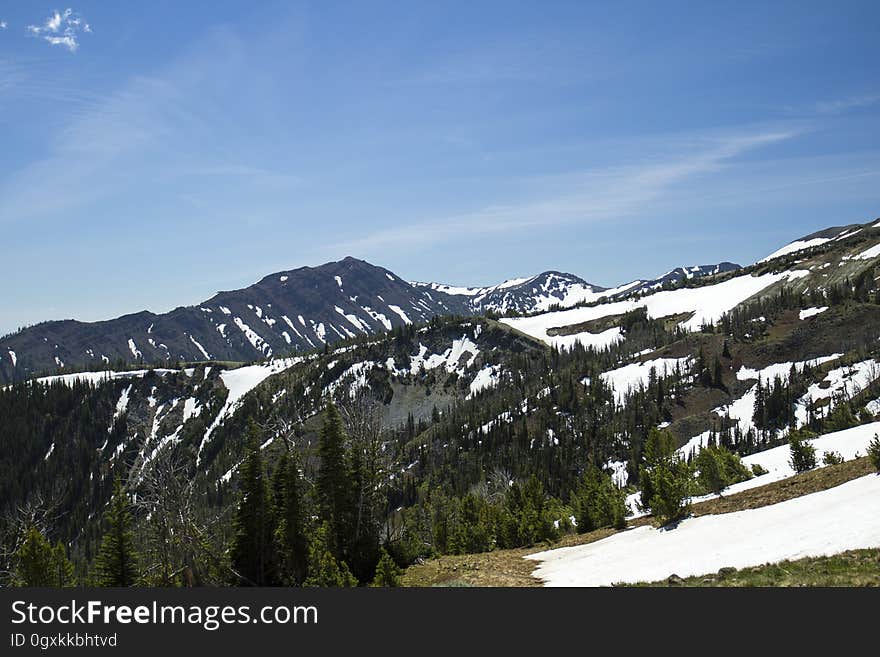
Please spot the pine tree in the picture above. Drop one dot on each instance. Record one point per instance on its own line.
(387, 572)
(803, 454)
(666, 478)
(334, 484)
(717, 374)
(725, 352)
(718, 468)
(709, 472)
(252, 543)
(37, 563)
(291, 533)
(325, 570)
(117, 561)
(597, 502)
(874, 452)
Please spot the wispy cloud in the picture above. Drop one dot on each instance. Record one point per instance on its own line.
(158, 132)
(607, 194)
(845, 104)
(3, 25)
(61, 29)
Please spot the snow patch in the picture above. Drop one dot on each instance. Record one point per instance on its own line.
(200, 348)
(811, 312)
(828, 522)
(400, 313)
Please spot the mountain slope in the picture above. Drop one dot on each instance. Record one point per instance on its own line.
(464, 403)
(290, 311)
(551, 289)
(296, 310)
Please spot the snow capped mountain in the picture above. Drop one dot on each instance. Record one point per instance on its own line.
(303, 309)
(525, 295)
(694, 305)
(677, 275)
(290, 311)
(552, 289)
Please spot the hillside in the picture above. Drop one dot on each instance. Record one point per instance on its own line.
(480, 430)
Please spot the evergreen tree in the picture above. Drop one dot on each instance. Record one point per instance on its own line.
(717, 374)
(709, 472)
(803, 454)
(291, 533)
(334, 485)
(253, 526)
(874, 452)
(387, 572)
(666, 478)
(597, 502)
(841, 417)
(717, 468)
(325, 570)
(37, 563)
(117, 561)
(759, 413)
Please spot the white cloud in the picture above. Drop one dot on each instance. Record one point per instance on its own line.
(61, 29)
(603, 194)
(844, 104)
(3, 25)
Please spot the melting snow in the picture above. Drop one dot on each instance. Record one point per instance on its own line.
(848, 380)
(798, 245)
(353, 319)
(632, 376)
(403, 316)
(121, 407)
(842, 518)
(200, 348)
(356, 374)
(191, 409)
(811, 312)
(487, 377)
(239, 382)
(254, 338)
(873, 252)
(707, 303)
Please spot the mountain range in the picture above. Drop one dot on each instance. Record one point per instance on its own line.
(294, 311)
(471, 389)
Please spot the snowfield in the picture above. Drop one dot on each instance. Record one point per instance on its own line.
(796, 246)
(636, 375)
(707, 303)
(239, 382)
(846, 517)
(849, 443)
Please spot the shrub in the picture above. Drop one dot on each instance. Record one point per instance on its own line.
(718, 468)
(666, 479)
(803, 454)
(759, 470)
(832, 458)
(597, 502)
(874, 452)
(387, 572)
(671, 483)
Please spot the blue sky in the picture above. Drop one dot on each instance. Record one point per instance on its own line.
(171, 149)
